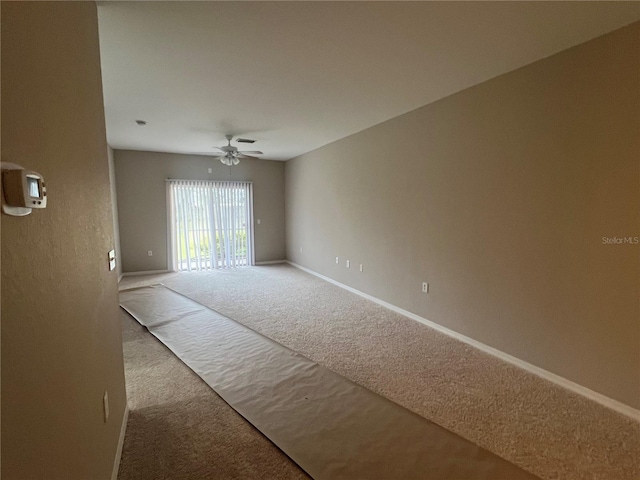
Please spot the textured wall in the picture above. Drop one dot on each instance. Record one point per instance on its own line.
(142, 204)
(499, 197)
(61, 337)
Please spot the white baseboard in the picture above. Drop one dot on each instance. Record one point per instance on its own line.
(270, 262)
(552, 377)
(123, 429)
(146, 272)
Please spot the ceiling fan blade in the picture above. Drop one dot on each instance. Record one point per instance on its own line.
(248, 156)
(251, 152)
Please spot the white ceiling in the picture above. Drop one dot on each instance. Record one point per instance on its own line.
(298, 75)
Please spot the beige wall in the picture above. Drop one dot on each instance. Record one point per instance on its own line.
(61, 338)
(499, 197)
(114, 208)
(140, 180)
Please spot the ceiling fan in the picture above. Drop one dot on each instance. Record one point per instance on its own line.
(232, 155)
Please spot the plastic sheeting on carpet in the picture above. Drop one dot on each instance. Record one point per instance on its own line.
(331, 427)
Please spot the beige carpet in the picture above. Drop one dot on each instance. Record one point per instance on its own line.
(178, 428)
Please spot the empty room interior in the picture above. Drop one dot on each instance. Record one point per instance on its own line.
(331, 240)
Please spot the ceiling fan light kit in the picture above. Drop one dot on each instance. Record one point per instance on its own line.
(232, 155)
(230, 159)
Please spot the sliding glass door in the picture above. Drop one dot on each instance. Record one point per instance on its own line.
(210, 224)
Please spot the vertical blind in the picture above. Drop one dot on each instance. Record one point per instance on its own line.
(210, 224)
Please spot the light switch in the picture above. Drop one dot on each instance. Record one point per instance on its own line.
(258, 221)
(105, 406)
(112, 260)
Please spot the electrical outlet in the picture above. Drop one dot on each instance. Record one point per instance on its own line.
(348, 264)
(150, 253)
(210, 170)
(361, 268)
(425, 287)
(300, 249)
(105, 406)
(258, 221)
(337, 260)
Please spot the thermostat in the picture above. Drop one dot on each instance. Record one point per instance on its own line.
(22, 190)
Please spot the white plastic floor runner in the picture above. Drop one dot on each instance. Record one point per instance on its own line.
(331, 427)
